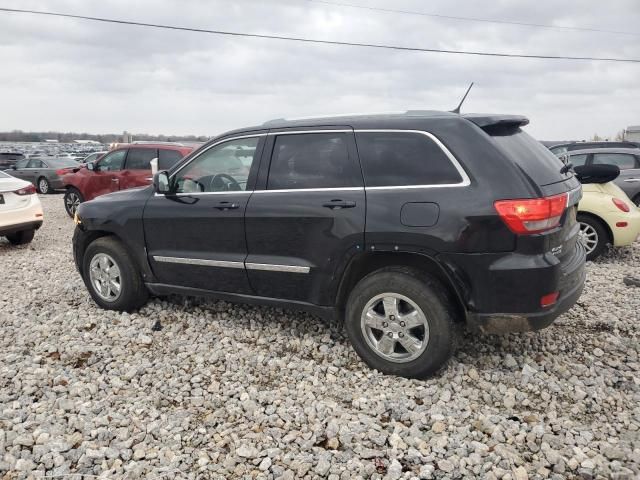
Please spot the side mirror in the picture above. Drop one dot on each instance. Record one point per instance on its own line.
(597, 173)
(91, 166)
(154, 166)
(161, 183)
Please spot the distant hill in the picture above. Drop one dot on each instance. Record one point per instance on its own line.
(68, 137)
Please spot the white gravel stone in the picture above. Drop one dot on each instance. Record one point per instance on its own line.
(237, 391)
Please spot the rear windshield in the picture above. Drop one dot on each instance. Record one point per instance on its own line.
(542, 166)
(61, 162)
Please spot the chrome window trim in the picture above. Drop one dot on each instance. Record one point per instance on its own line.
(328, 189)
(198, 261)
(463, 174)
(277, 268)
(302, 132)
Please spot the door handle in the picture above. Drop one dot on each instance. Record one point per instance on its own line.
(227, 206)
(337, 204)
(632, 180)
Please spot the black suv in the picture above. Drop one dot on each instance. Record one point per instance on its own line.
(407, 226)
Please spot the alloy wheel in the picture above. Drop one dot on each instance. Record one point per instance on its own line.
(72, 202)
(104, 274)
(588, 236)
(43, 185)
(395, 327)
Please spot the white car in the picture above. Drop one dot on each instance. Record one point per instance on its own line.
(20, 209)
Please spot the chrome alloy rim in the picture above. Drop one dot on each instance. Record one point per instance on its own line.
(588, 237)
(395, 327)
(105, 277)
(72, 201)
(44, 186)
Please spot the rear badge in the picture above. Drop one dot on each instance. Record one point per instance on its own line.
(557, 250)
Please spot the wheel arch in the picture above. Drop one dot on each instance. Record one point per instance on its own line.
(599, 219)
(366, 263)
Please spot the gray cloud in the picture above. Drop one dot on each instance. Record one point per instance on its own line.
(64, 74)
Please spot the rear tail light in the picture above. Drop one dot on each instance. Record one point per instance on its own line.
(549, 299)
(28, 190)
(526, 216)
(64, 171)
(620, 204)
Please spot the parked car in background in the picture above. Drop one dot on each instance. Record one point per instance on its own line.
(570, 147)
(8, 159)
(93, 157)
(606, 214)
(626, 159)
(407, 226)
(44, 172)
(127, 166)
(20, 209)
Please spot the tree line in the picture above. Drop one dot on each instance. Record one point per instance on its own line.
(69, 137)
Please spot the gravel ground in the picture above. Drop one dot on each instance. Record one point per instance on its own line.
(231, 391)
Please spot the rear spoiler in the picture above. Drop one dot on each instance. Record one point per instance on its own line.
(489, 121)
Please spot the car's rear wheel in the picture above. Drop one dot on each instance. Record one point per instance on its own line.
(43, 186)
(593, 236)
(636, 200)
(72, 200)
(401, 322)
(110, 274)
(21, 238)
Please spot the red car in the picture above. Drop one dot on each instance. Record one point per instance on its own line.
(127, 166)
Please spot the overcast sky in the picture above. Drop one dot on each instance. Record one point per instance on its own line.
(75, 75)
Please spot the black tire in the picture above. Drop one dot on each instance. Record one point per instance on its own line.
(70, 204)
(43, 186)
(21, 238)
(636, 200)
(598, 228)
(431, 298)
(133, 294)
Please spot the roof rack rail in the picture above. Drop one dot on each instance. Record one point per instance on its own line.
(151, 142)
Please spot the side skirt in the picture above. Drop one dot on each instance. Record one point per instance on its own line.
(328, 313)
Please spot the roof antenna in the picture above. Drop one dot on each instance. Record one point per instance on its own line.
(457, 109)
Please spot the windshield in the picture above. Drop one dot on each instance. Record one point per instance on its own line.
(542, 166)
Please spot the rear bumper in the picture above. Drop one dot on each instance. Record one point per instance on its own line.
(19, 227)
(505, 294)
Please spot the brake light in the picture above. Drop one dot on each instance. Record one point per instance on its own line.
(620, 204)
(28, 190)
(64, 171)
(526, 216)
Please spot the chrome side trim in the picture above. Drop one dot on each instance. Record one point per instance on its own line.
(463, 174)
(277, 268)
(186, 194)
(198, 261)
(337, 189)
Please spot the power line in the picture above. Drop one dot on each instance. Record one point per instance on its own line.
(472, 19)
(320, 42)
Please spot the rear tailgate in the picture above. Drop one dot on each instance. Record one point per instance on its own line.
(546, 172)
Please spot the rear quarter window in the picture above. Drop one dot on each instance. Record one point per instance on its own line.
(537, 161)
(404, 159)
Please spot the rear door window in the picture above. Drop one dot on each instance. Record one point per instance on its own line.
(312, 160)
(578, 160)
(404, 159)
(623, 161)
(140, 158)
(168, 158)
(537, 161)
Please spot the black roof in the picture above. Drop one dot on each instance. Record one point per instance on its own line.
(384, 119)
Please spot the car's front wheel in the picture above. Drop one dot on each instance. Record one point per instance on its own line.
(72, 200)
(593, 236)
(21, 238)
(110, 274)
(43, 186)
(401, 322)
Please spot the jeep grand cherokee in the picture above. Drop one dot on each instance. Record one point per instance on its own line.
(407, 226)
